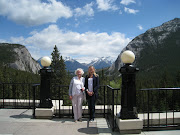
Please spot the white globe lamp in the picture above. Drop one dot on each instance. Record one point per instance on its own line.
(128, 92)
(127, 57)
(45, 61)
(45, 72)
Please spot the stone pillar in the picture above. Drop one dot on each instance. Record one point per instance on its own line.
(128, 122)
(45, 94)
(128, 94)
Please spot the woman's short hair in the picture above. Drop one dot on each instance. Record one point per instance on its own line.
(79, 69)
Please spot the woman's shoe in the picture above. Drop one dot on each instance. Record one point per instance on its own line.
(75, 121)
(80, 119)
(91, 120)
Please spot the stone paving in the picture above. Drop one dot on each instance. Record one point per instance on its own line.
(20, 122)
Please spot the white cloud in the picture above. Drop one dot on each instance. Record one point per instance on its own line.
(104, 5)
(130, 11)
(86, 10)
(140, 27)
(34, 12)
(35, 52)
(84, 46)
(3, 41)
(127, 2)
(17, 39)
(120, 12)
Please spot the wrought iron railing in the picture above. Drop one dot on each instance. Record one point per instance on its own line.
(160, 107)
(113, 102)
(108, 103)
(35, 91)
(164, 103)
(16, 95)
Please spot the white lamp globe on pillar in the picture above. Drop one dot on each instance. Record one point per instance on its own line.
(127, 57)
(45, 61)
(45, 72)
(128, 93)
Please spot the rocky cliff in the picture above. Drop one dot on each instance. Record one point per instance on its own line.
(157, 46)
(18, 57)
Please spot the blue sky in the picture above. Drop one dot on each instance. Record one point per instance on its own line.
(81, 29)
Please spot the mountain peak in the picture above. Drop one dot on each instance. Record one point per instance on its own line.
(69, 59)
(101, 62)
(170, 26)
(98, 63)
(175, 20)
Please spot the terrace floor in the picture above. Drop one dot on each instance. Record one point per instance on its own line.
(20, 122)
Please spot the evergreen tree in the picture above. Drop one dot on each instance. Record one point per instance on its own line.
(58, 66)
(178, 79)
(165, 79)
(55, 65)
(63, 72)
(59, 76)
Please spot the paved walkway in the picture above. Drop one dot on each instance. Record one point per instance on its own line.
(20, 122)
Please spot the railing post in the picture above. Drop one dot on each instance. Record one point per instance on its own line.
(159, 110)
(29, 88)
(34, 97)
(113, 109)
(3, 95)
(59, 102)
(143, 106)
(166, 107)
(116, 100)
(14, 94)
(173, 105)
(148, 111)
(104, 101)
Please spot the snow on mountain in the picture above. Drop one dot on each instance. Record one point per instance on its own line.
(101, 62)
(98, 63)
(72, 64)
(69, 59)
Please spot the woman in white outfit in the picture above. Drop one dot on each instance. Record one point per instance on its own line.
(76, 89)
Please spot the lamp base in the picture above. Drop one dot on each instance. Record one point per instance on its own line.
(45, 103)
(130, 126)
(126, 114)
(44, 113)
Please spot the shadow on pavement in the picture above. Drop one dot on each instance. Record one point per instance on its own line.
(22, 115)
(89, 130)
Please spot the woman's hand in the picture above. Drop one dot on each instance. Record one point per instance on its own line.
(70, 97)
(82, 89)
(90, 93)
